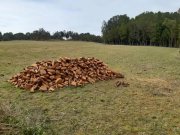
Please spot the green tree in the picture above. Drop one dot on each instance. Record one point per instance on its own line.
(28, 36)
(148, 28)
(40, 34)
(19, 36)
(8, 36)
(171, 27)
(0, 36)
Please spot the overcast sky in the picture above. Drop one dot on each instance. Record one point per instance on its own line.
(76, 15)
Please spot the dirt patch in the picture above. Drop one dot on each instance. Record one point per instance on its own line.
(158, 87)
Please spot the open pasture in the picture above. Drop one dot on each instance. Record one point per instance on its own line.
(150, 105)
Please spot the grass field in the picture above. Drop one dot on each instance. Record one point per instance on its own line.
(149, 106)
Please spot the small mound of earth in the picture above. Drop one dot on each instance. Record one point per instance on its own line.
(55, 74)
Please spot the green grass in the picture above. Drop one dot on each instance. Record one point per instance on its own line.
(150, 105)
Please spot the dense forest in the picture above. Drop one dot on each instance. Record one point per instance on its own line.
(148, 28)
(42, 34)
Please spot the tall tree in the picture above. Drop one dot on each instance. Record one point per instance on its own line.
(170, 26)
(0, 36)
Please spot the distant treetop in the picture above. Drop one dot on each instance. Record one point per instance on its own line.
(42, 34)
(178, 11)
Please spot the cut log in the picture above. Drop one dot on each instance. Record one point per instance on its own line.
(43, 88)
(42, 72)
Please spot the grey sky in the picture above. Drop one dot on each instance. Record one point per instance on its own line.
(75, 15)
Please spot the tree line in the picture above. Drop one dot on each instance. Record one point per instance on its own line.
(42, 34)
(148, 28)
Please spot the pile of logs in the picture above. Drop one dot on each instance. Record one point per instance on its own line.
(51, 75)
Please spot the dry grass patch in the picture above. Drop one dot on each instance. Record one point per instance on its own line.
(157, 82)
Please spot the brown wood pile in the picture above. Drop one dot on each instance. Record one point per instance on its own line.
(51, 75)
